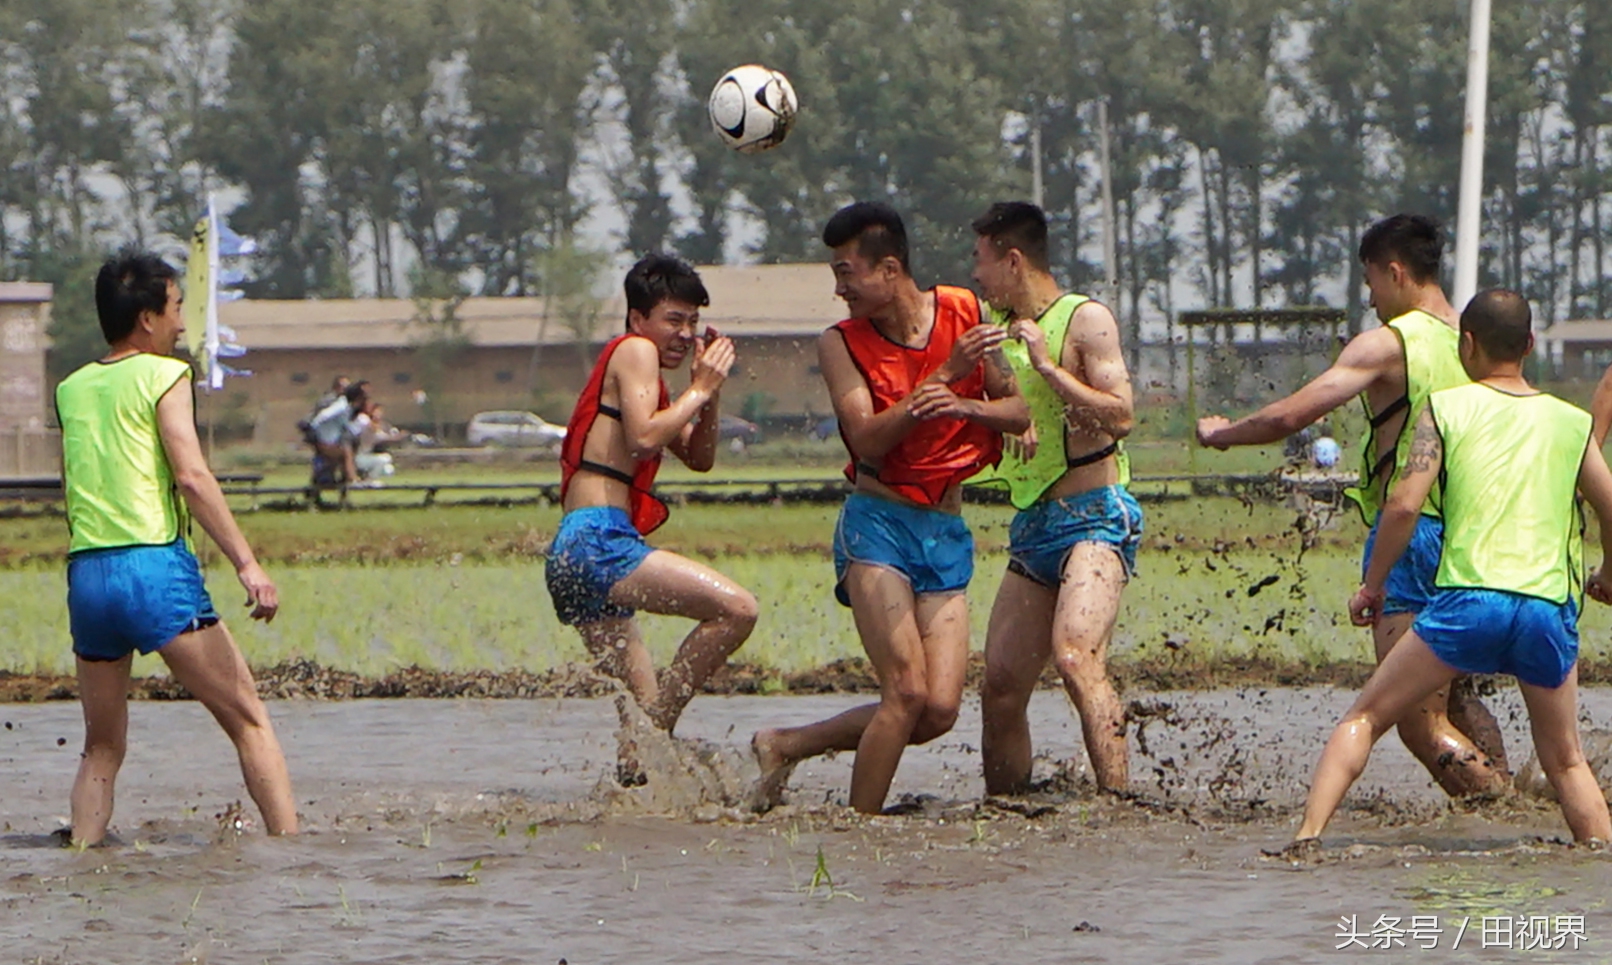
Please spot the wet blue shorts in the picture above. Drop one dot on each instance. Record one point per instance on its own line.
(1040, 538)
(934, 550)
(1410, 582)
(1493, 631)
(595, 549)
(134, 598)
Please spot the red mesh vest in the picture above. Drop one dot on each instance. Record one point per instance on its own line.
(647, 512)
(937, 453)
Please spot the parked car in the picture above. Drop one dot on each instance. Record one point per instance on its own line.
(733, 427)
(512, 429)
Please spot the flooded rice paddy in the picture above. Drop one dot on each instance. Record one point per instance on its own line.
(490, 831)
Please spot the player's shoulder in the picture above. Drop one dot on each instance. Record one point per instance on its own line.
(1092, 320)
(635, 351)
(1374, 348)
(835, 335)
(1093, 312)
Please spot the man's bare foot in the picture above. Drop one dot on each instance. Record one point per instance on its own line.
(1299, 849)
(768, 792)
(629, 771)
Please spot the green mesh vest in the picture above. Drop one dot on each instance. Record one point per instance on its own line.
(1432, 362)
(1026, 479)
(1510, 473)
(120, 488)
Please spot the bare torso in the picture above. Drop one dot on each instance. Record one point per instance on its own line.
(607, 445)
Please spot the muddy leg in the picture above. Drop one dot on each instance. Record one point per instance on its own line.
(1553, 716)
(1404, 680)
(670, 584)
(1018, 643)
(1088, 605)
(1455, 762)
(103, 690)
(209, 665)
(1470, 716)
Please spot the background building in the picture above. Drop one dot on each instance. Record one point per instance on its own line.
(510, 353)
(27, 445)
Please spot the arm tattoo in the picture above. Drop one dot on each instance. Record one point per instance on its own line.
(998, 363)
(1427, 447)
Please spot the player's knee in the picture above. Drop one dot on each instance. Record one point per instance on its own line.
(908, 693)
(741, 610)
(1417, 730)
(108, 748)
(1557, 759)
(938, 718)
(1078, 661)
(1003, 690)
(241, 713)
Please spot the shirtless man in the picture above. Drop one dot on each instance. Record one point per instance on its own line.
(1394, 369)
(1073, 542)
(922, 401)
(599, 570)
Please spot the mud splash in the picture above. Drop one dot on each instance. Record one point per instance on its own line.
(448, 831)
(310, 679)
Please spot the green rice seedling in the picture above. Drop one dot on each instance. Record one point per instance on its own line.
(822, 879)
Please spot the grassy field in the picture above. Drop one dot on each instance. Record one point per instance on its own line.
(462, 587)
(784, 459)
(494, 533)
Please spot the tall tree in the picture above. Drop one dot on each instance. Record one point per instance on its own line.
(635, 39)
(527, 66)
(269, 130)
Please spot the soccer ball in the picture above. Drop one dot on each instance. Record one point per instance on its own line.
(752, 108)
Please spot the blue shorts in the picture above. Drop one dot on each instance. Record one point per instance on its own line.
(1041, 537)
(1493, 631)
(934, 550)
(1410, 583)
(595, 549)
(134, 598)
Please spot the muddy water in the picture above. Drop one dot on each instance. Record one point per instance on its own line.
(479, 831)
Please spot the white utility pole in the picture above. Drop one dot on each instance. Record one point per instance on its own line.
(1110, 242)
(1037, 192)
(1469, 212)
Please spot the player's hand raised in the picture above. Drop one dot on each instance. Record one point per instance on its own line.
(969, 350)
(1034, 339)
(1208, 426)
(1365, 607)
(713, 360)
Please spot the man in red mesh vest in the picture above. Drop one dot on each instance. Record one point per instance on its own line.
(599, 569)
(922, 399)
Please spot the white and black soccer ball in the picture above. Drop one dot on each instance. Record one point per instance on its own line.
(752, 108)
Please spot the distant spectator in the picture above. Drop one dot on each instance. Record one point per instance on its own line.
(371, 435)
(338, 387)
(331, 434)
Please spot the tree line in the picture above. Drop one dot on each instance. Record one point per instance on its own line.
(1251, 140)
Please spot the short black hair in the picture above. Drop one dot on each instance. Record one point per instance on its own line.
(1500, 321)
(1414, 240)
(876, 228)
(1016, 224)
(130, 282)
(657, 277)
(356, 393)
